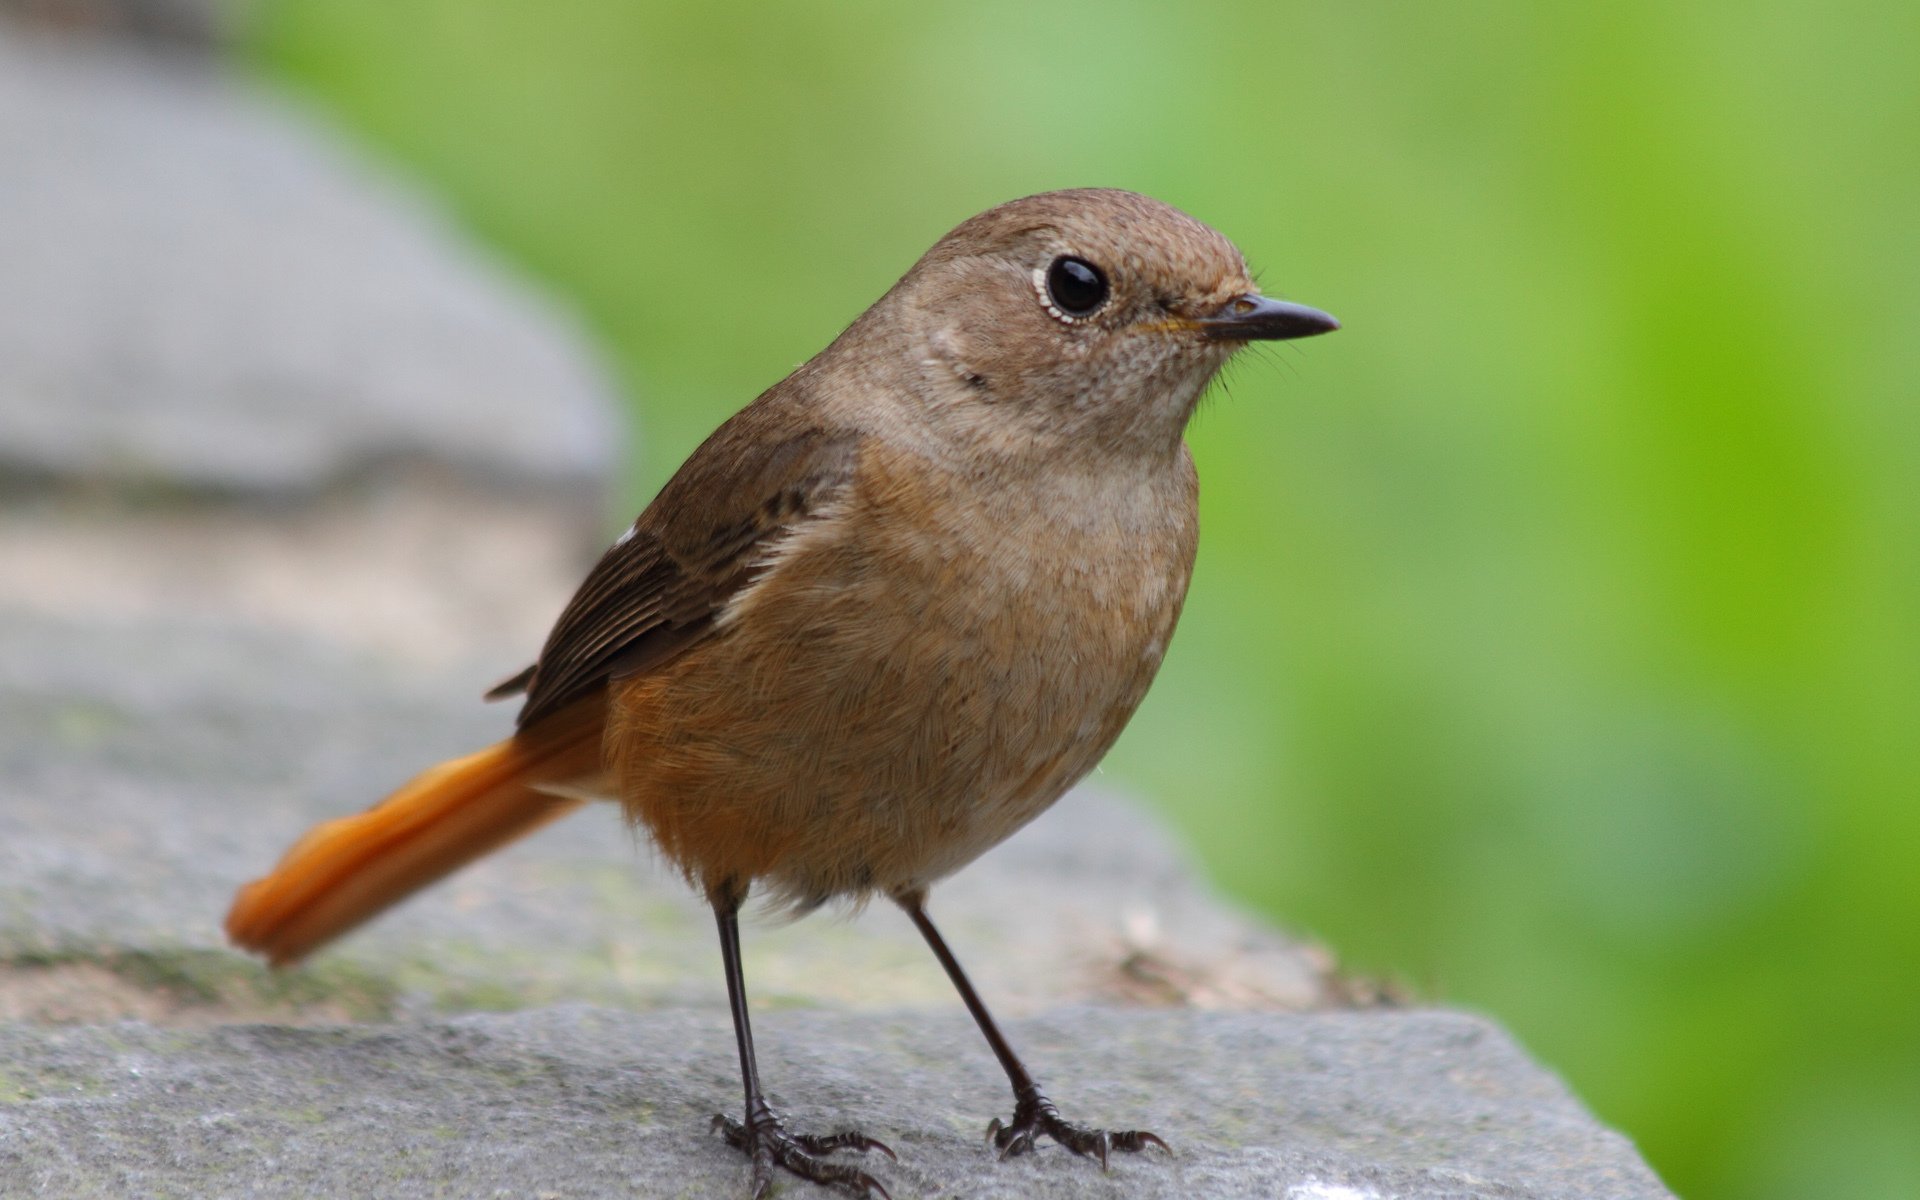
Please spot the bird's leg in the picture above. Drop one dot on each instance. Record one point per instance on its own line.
(1033, 1113)
(761, 1136)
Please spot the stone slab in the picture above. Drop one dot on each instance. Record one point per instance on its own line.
(577, 1102)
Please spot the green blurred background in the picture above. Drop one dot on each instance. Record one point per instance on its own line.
(1555, 645)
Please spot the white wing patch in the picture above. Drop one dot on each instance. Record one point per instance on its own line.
(816, 530)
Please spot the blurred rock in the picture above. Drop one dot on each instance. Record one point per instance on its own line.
(423, 573)
(204, 292)
(174, 24)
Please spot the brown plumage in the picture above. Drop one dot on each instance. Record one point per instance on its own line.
(883, 617)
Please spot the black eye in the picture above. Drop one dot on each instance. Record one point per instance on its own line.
(1076, 286)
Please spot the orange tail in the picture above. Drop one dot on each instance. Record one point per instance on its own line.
(346, 871)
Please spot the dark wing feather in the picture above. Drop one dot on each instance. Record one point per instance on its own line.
(658, 590)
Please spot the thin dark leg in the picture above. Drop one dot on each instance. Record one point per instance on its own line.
(761, 1136)
(728, 918)
(1009, 1061)
(1033, 1113)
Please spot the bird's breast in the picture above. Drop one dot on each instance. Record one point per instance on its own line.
(920, 670)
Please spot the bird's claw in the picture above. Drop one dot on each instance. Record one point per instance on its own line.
(768, 1145)
(1035, 1116)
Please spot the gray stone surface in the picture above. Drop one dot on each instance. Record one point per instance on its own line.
(203, 290)
(149, 769)
(579, 1102)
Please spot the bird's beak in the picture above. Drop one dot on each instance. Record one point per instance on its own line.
(1255, 318)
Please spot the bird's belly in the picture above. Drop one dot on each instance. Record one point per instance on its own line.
(856, 728)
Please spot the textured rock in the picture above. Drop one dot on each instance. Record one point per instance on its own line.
(203, 291)
(148, 769)
(577, 1102)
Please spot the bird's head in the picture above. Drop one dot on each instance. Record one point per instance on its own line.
(1086, 316)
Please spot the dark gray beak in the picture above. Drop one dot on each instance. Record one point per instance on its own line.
(1257, 318)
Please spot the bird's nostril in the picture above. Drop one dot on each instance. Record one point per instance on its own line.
(1243, 306)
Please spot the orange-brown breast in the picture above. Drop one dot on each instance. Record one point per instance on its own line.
(915, 674)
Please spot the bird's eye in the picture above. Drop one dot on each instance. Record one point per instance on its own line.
(1075, 287)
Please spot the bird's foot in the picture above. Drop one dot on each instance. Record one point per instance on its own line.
(768, 1145)
(1035, 1115)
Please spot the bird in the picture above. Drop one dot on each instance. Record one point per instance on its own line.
(878, 621)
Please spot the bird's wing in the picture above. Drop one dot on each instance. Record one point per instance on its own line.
(658, 590)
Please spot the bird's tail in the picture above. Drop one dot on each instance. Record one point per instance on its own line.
(348, 870)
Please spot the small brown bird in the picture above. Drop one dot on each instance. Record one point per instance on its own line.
(881, 619)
